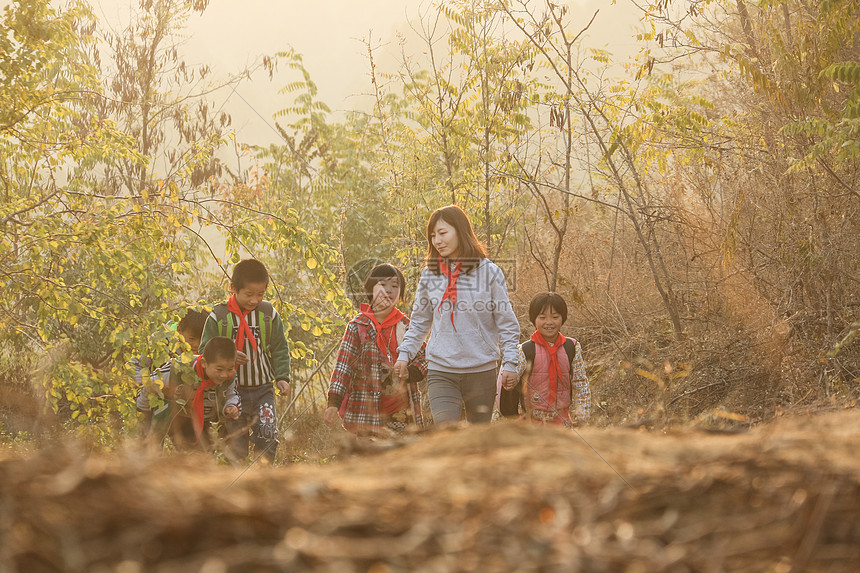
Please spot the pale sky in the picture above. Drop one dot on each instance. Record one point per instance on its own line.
(233, 34)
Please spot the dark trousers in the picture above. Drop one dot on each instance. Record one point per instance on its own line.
(258, 424)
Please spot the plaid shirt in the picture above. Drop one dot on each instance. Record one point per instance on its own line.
(359, 372)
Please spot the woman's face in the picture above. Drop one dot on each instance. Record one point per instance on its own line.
(444, 238)
(386, 293)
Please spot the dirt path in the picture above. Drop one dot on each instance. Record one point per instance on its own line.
(784, 497)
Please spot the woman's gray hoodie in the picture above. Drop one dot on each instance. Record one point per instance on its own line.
(484, 330)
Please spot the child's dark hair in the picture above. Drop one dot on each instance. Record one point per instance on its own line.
(194, 320)
(249, 271)
(219, 348)
(380, 273)
(544, 300)
(471, 250)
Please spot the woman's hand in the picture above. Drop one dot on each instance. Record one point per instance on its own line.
(509, 380)
(241, 357)
(401, 370)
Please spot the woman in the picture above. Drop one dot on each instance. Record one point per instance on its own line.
(462, 300)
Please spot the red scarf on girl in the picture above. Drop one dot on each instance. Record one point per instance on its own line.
(394, 317)
(197, 402)
(244, 330)
(387, 404)
(554, 367)
(451, 289)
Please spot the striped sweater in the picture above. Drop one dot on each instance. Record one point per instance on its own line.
(270, 364)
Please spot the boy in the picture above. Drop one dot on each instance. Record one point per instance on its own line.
(204, 392)
(262, 356)
(190, 327)
(549, 370)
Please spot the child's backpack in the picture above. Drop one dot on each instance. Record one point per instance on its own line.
(265, 311)
(511, 400)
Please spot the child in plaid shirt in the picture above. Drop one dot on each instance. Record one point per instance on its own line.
(363, 391)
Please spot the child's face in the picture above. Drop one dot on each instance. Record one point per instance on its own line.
(219, 371)
(386, 293)
(192, 338)
(444, 238)
(548, 323)
(251, 295)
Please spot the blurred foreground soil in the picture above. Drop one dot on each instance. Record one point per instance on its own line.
(507, 497)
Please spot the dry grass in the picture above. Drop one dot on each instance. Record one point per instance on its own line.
(507, 497)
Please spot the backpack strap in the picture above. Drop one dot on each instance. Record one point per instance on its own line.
(267, 311)
(570, 350)
(265, 314)
(529, 350)
(224, 319)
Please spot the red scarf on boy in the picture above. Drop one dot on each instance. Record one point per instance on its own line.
(451, 289)
(197, 402)
(554, 366)
(390, 321)
(244, 330)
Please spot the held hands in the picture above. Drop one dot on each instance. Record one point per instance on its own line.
(401, 370)
(283, 387)
(509, 380)
(241, 358)
(331, 417)
(232, 412)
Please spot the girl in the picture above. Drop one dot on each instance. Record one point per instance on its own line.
(362, 390)
(464, 298)
(551, 369)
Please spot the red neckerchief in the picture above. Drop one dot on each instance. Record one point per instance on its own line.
(451, 289)
(554, 367)
(197, 402)
(244, 330)
(394, 317)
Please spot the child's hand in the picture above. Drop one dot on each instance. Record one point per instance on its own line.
(232, 412)
(401, 370)
(283, 387)
(241, 357)
(509, 380)
(331, 417)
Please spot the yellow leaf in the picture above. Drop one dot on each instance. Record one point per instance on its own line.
(731, 416)
(312, 263)
(649, 376)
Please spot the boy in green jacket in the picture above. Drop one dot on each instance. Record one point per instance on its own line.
(262, 357)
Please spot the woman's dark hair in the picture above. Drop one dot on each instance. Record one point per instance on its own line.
(249, 271)
(544, 300)
(471, 251)
(219, 348)
(380, 273)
